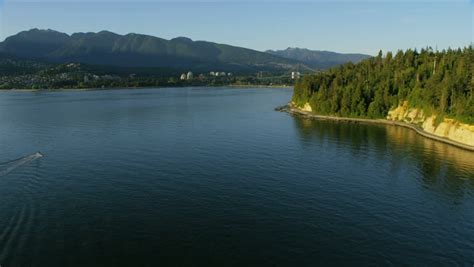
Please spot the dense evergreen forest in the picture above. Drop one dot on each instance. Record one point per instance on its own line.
(439, 82)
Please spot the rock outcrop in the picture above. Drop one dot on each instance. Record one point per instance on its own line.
(446, 128)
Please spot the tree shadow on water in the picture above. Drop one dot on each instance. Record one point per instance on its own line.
(438, 167)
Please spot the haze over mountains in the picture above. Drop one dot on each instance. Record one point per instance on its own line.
(318, 59)
(138, 50)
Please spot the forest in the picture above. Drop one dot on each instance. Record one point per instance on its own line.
(439, 82)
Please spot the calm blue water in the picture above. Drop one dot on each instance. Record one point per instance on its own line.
(216, 177)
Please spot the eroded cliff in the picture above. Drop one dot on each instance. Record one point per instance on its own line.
(445, 127)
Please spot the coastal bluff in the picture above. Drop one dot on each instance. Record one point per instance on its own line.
(445, 127)
(448, 130)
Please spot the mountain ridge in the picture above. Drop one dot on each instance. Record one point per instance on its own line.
(319, 59)
(138, 50)
(107, 48)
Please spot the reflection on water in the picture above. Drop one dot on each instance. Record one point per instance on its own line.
(143, 177)
(430, 148)
(443, 167)
(439, 166)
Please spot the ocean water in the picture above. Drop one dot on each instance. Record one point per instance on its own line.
(216, 177)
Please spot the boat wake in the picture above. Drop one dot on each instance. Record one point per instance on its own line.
(7, 167)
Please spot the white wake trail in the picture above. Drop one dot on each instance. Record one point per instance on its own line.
(7, 167)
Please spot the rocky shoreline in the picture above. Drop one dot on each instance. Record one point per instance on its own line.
(309, 115)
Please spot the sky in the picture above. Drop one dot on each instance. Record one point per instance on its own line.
(348, 26)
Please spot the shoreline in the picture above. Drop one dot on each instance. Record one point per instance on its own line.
(146, 87)
(308, 115)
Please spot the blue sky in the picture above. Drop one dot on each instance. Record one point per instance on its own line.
(342, 26)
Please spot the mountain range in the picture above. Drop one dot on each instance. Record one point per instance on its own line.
(318, 59)
(139, 50)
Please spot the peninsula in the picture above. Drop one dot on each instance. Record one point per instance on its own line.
(428, 91)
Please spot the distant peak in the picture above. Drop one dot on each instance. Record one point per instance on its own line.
(297, 49)
(105, 32)
(36, 30)
(44, 34)
(182, 39)
(289, 49)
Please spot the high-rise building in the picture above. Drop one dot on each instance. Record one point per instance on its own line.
(189, 76)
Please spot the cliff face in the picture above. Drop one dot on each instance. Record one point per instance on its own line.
(448, 128)
(306, 107)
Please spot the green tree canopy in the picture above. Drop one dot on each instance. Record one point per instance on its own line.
(439, 82)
